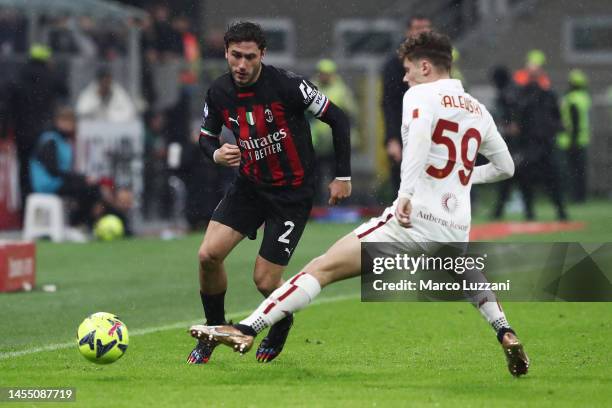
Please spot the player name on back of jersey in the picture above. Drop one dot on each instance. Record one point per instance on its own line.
(462, 102)
(263, 146)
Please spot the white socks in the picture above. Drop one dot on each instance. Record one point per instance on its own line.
(293, 295)
(486, 302)
(494, 314)
(300, 290)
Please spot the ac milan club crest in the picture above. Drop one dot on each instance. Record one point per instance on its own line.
(268, 115)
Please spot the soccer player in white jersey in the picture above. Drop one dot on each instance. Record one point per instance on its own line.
(443, 129)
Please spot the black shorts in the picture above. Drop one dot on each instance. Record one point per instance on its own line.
(284, 212)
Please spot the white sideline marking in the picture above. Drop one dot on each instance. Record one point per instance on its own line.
(149, 330)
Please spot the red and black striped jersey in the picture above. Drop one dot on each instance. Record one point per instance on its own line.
(269, 123)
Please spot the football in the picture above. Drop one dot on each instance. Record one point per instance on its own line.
(102, 338)
(109, 228)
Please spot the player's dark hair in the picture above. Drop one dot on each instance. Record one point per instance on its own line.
(245, 31)
(433, 46)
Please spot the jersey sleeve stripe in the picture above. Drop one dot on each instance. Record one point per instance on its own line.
(207, 132)
(323, 108)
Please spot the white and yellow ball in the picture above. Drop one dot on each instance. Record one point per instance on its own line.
(109, 228)
(102, 338)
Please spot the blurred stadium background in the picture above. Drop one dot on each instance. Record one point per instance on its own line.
(166, 53)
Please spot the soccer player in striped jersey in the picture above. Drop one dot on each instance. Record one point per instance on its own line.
(443, 129)
(265, 108)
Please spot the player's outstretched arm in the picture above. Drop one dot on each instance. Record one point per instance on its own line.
(341, 134)
(340, 188)
(501, 167)
(495, 149)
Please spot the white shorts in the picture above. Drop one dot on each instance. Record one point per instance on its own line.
(398, 239)
(386, 228)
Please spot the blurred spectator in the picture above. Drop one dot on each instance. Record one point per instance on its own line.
(533, 70)
(214, 45)
(393, 94)
(51, 169)
(51, 172)
(168, 41)
(104, 99)
(147, 32)
(111, 43)
(205, 183)
(13, 33)
(67, 37)
(331, 84)
(608, 99)
(456, 71)
(191, 50)
(539, 122)
(504, 113)
(178, 117)
(149, 58)
(31, 100)
(120, 204)
(155, 172)
(61, 39)
(574, 140)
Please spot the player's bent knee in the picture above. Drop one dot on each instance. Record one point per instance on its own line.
(266, 283)
(209, 258)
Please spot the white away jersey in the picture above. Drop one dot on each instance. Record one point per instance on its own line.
(460, 127)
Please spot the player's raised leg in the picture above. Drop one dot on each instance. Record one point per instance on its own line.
(487, 304)
(341, 261)
(218, 242)
(491, 310)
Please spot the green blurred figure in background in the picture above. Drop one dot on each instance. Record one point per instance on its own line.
(456, 70)
(331, 84)
(574, 140)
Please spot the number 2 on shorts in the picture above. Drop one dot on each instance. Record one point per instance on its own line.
(283, 238)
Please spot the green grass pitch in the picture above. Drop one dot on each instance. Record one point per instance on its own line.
(340, 353)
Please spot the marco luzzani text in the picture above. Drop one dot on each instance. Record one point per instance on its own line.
(473, 265)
